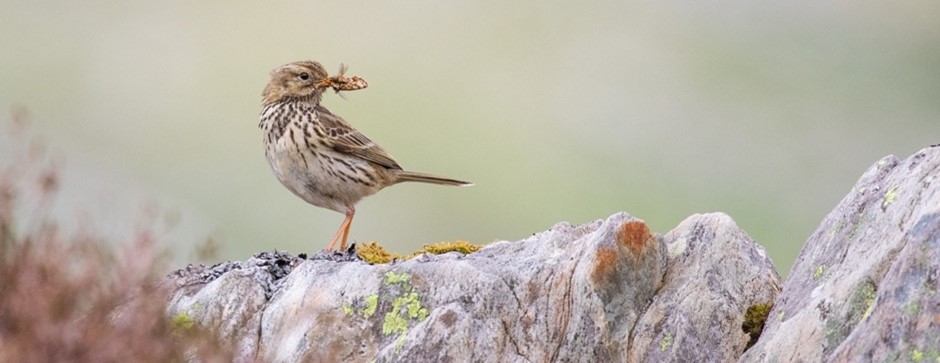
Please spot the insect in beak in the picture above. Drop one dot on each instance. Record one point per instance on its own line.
(325, 83)
(342, 83)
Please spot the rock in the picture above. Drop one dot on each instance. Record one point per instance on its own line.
(716, 274)
(864, 287)
(229, 297)
(603, 291)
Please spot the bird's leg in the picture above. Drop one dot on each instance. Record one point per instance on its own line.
(349, 217)
(336, 237)
(343, 230)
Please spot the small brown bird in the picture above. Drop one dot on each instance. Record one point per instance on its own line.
(316, 154)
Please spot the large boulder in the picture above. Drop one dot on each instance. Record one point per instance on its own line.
(603, 291)
(864, 287)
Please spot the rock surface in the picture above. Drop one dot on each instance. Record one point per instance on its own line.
(864, 287)
(603, 291)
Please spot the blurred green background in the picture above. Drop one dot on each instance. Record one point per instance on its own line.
(558, 111)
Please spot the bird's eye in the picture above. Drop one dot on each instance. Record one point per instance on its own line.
(304, 76)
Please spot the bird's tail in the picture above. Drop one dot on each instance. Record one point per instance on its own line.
(411, 176)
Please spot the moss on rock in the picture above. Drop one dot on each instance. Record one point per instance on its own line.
(374, 253)
(445, 247)
(754, 320)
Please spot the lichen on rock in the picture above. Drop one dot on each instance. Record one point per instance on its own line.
(374, 253)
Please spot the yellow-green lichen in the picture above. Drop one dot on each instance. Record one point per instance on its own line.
(445, 247)
(819, 272)
(406, 306)
(754, 320)
(665, 342)
(394, 323)
(415, 311)
(182, 321)
(372, 302)
(366, 307)
(859, 306)
(839, 324)
(865, 298)
(890, 195)
(394, 278)
(917, 355)
(400, 343)
(374, 253)
(931, 354)
(868, 310)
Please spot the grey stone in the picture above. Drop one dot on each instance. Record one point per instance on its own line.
(716, 272)
(864, 287)
(603, 291)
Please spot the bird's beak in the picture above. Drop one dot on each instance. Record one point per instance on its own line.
(325, 83)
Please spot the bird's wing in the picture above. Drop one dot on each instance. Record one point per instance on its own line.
(344, 138)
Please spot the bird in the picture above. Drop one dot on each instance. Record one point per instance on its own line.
(319, 156)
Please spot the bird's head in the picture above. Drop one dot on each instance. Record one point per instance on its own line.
(302, 81)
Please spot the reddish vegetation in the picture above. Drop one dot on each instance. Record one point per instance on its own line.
(72, 298)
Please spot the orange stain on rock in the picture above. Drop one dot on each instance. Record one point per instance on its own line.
(634, 235)
(606, 262)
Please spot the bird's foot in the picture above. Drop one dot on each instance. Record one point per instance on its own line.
(338, 256)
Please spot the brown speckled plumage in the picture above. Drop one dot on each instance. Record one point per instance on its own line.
(316, 154)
